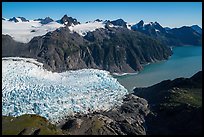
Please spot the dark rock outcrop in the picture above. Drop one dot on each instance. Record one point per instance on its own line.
(175, 106)
(98, 20)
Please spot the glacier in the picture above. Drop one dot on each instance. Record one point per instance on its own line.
(27, 88)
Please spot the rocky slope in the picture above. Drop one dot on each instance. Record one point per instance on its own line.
(112, 49)
(176, 106)
(127, 119)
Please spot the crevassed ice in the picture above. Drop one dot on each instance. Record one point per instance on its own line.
(27, 88)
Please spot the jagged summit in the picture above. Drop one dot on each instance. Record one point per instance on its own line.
(68, 20)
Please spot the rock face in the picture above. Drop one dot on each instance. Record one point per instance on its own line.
(175, 106)
(127, 119)
(112, 49)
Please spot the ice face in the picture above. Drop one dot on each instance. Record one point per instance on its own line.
(27, 88)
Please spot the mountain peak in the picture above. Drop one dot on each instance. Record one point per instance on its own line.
(197, 28)
(13, 19)
(140, 23)
(18, 19)
(46, 20)
(23, 19)
(68, 20)
(119, 22)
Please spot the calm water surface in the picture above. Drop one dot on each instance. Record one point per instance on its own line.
(184, 62)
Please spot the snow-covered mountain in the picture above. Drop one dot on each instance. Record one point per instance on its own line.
(23, 30)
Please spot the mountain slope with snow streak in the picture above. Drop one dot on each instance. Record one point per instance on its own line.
(27, 88)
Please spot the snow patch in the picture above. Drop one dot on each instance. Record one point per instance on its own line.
(157, 30)
(27, 88)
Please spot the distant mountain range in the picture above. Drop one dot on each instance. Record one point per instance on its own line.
(116, 46)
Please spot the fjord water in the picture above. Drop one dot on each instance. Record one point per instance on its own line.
(185, 62)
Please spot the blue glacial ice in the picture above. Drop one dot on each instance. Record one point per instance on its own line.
(27, 88)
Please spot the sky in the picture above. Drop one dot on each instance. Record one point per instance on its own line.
(168, 14)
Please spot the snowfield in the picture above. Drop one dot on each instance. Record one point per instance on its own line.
(82, 29)
(27, 88)
(25, 31)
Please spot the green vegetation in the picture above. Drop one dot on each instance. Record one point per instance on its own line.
(28, 124)
(96, 126)
(192, 97)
